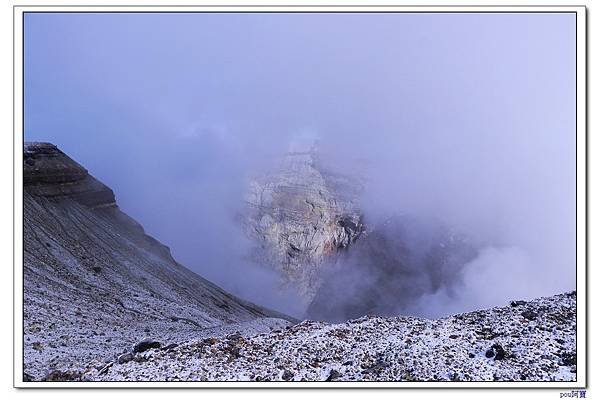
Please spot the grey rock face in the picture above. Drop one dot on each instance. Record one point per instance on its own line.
(301, 216)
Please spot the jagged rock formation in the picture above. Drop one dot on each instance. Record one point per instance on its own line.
(95, 283)
(524, 341)
(301, 216)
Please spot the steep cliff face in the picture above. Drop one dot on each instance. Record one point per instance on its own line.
(94, 282)
(301, 216)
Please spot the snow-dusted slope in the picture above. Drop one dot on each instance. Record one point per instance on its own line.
(95, 283)
(525, 341)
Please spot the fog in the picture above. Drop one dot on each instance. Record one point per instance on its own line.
(465, 118)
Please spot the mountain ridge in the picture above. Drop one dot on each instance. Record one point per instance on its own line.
(89, 269)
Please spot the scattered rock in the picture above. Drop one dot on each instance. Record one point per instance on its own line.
(516, 303)
(62, 376)
(568, 359)
(529, 314)
(234, 336)
(499, 352)
(169, 347)
(125, 358)
(287, 375)
(140, 358)
(236, 351)
(105, 369)
(333, 375)
(377, 367)
(146, 344)
(210, 341)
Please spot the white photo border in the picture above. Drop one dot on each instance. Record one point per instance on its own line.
(581, 189)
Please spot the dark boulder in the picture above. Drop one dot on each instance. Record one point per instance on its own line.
(169, 347)
(496, 351)
(529, 314)
(500, 353)
(287, 375)
(333, 375)
(146, 344)
(234, 336)
(125, 358)
(568, 359)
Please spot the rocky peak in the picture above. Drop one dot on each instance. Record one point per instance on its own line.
(301, 216)
(50, 173)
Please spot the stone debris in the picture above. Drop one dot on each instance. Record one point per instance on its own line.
(375, 348)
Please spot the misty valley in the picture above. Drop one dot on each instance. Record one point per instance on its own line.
(321, 283)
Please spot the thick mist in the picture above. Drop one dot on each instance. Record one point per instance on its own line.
(468, 119)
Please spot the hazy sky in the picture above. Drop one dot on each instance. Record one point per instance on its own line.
(468, 117)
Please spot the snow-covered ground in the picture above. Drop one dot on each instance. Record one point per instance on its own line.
(524, 341)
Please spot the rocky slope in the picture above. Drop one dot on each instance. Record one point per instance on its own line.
(95, 283)
(525, 341)
(301, 216)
